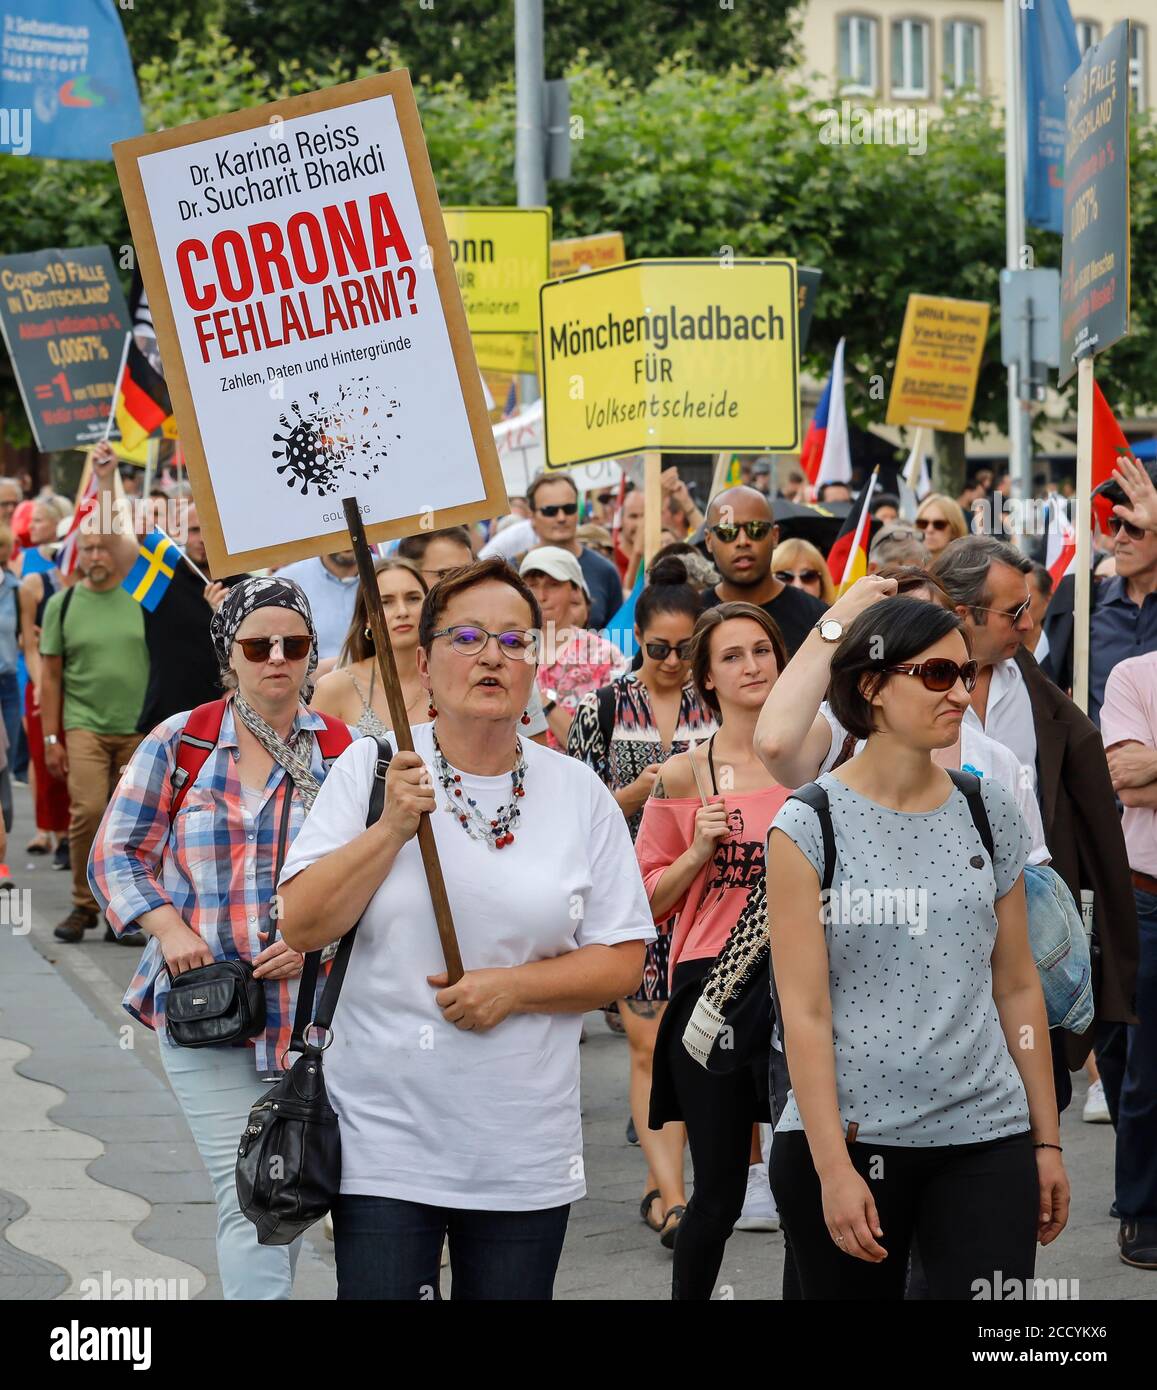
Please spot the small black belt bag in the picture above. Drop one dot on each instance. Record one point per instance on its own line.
(211, 1005)
(289, 1158)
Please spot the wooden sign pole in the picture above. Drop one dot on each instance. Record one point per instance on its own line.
(652, 504)
(388, 670)
(1084, 579)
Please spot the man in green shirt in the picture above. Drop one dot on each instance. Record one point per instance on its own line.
(94, 670)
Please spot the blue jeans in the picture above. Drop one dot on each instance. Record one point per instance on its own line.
(11, 714)
(1136, 1102)
(216, 1087)
(387, 1249)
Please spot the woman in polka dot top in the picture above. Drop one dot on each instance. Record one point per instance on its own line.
(922, 1103)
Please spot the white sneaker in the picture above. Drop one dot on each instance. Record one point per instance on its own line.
(759, 1213)
(1096, 1111)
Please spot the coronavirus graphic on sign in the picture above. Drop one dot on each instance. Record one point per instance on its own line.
(334, 444)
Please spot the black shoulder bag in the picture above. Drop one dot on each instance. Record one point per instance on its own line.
(289, 1159)
(211, 1005)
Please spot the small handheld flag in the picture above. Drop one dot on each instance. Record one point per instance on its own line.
(152, 574)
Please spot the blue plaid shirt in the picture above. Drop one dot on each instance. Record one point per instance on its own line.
(214, 864)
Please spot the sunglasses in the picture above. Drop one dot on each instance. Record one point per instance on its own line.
(604, 499)
(258, 648)
(790, 576)
(1014, 617)
(660, 651)
(468, 640)
(566, 508)
(924, 523)
(1118, 524)
(753, 530)
(939, 674)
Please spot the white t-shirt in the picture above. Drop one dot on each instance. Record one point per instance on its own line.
(512, 541)
(1008, 716)
(429, 1113)
(985, 757)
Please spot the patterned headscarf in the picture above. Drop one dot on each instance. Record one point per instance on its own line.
(247, 597)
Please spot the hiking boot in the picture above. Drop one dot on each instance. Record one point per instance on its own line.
(74, 926)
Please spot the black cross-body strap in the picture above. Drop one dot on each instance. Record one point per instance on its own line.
(813, 795)
(323, 1016)
(969, 784)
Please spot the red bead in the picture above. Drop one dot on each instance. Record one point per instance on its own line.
(457, 791)
(457, 778)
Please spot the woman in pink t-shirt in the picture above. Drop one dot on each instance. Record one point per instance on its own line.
(701, 851)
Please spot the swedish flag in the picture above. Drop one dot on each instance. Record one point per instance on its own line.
(153, 572)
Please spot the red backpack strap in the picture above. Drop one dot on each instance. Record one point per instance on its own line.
(198, 739)
(334, 739)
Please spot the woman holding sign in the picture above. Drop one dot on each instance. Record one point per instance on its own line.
(188, 852)
(459, 1103)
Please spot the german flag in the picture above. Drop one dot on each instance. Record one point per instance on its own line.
(142, 406)
(848, 557)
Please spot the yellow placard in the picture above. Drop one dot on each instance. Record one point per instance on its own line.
(686, 356)
(501, 257)
(584, 253)
(506, 352)
(938, 363)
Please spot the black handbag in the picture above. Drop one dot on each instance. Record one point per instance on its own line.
(289, 1158)
(211, 1005)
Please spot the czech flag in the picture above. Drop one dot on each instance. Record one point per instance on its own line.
(142, 404)
(848, 557)
(826, 456)
(153, 572)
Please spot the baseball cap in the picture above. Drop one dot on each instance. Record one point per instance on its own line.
(1115, 493)
(558, 563)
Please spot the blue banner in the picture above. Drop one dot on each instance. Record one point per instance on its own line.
(1051, 56)
(67, 89)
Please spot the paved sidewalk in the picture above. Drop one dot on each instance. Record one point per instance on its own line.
(100, 1180)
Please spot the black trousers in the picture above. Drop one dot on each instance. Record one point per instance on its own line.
(973, 1208)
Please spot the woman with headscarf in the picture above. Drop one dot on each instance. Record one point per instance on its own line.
(188, 852)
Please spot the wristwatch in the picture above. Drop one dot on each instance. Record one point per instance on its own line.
(550, 704)
(830, 629)
(50, 739)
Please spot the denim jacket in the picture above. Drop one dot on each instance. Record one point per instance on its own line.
(1060, 949)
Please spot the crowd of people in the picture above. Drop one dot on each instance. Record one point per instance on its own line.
(811, 851)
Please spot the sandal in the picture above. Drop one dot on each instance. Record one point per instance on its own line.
(645, 1210)
(40, 845)
(670, 1228)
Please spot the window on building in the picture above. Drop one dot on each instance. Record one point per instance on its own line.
(857, 53)
(1138, 60)
(910, 58)
(1088, 33)
(961, 56)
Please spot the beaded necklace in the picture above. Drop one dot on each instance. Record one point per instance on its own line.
(497, 833)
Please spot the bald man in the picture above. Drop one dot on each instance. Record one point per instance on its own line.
(741, 534)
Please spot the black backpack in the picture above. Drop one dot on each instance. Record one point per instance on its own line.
(734, 1020)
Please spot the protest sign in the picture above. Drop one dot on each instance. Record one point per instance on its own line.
(576, 254)
(65, 322)
(809, 288)
(306, 307)
(938, 363)
(1095, 248)
(501, 256)
(519, 352)
(689, 356)
(522, 454)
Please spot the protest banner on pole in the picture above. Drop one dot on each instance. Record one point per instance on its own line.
(681, 356)
(938, 363)
(64, 321)
(308, 314)
(1095, 270)
(501, 257)
(652, 505)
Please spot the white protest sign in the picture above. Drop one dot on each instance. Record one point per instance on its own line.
(314, 341)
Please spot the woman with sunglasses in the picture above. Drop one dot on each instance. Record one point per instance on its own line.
(351, 692)
(200, 883)
(701, 850)
(799, 563)
(625, 731)
(799, 737)
(459, 1104)
(939, 521)
(922, 1103)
